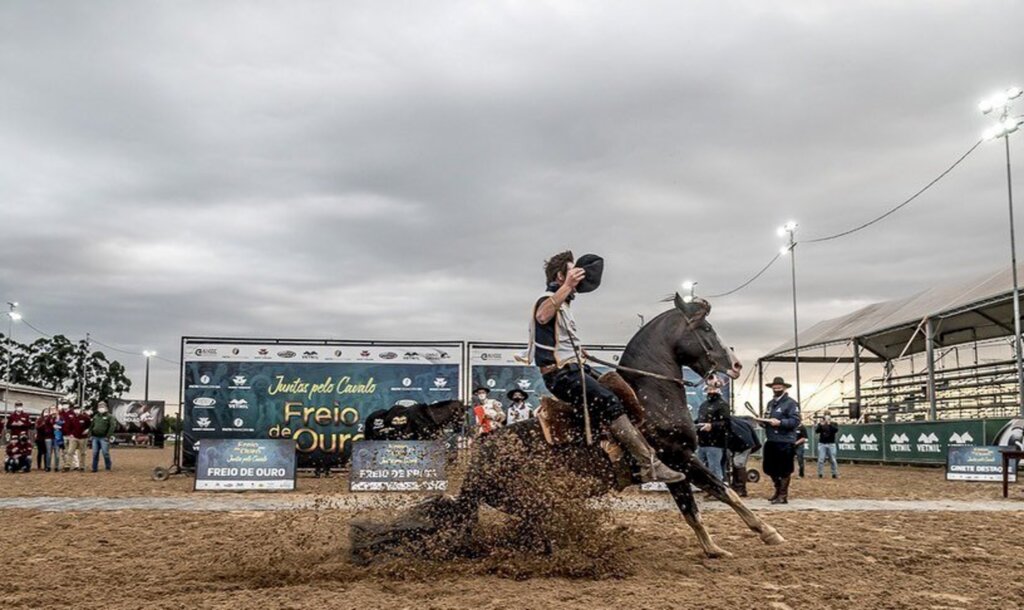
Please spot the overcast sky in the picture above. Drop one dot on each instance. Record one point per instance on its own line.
(387, 170)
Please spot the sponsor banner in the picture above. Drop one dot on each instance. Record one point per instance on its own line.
(240, 464)
(928, 442)
(137, 416)
(398, 466)
(966, 463)
(859, 442)
(317, 395)
(500, 368)
(323, 351)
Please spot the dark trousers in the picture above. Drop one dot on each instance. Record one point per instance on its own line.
(567, 385)
(40, 452)
(800, 458)
(23, 463)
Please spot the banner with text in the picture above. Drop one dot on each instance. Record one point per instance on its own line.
(977, 464)
(398, 466)
(137, 416)
(238, 464)
(318, 394)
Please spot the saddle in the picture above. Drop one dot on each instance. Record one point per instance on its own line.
(561, 424)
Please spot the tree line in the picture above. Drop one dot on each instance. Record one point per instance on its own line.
(65, 366)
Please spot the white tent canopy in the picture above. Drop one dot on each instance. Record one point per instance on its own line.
(973, 310)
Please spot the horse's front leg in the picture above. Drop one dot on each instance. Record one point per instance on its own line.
(700, 476)
(683, 496)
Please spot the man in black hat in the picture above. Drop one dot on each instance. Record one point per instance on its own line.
(518, 410)
(780, 438)
(555, 349)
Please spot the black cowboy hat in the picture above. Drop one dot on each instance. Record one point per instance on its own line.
(513, 391)
(778, 381)
(485, 389)
(594, 266)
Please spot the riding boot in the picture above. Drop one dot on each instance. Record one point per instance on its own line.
(775, 496)
(651, 468)
(784, 492)
(739, 481)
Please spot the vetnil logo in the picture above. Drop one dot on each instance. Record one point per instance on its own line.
(868, 442)
(928, 443)
(961, 439)
(900, 443)
(846, 443)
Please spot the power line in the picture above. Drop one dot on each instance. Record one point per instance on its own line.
(859, 227)
(901, 205)
(750, 281)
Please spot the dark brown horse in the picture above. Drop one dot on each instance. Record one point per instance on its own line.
(680, 337)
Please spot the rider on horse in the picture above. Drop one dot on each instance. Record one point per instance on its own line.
(554, 348)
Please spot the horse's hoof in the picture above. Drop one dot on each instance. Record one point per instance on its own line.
(772, 538)
(718, 553)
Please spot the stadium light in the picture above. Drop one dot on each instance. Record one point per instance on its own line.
(1009, 124)
(148, 354)
(790, 248)
(12, 317)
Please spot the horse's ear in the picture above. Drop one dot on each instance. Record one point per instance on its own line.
(696, 308)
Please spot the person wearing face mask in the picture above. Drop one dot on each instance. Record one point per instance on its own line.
(487, 411)
(780, 438)
(554, 348)
(76, 438)
(19, 454)
(519, 410)
(101, 430)
(44, 439)
(18, 422)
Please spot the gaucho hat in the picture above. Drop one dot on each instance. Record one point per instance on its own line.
(778, 381)
(594, 266)
(514, 391)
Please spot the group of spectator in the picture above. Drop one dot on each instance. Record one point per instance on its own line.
(61, 435)
(719, 435)
(489, 414)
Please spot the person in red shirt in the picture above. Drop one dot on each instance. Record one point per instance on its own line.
(76, 438)
(19, 455)
(44, 439)
(19, 422)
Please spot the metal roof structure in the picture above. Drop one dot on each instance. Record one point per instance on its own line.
(976, 309)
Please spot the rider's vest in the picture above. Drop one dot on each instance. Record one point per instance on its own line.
(551, 343)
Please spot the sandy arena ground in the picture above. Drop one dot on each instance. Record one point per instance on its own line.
(298, 559)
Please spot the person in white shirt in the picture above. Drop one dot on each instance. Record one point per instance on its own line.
(519, 410)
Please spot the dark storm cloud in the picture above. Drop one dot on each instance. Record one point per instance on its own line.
(400, 170)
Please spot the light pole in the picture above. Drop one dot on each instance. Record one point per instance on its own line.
(790, 229)
(1000, 102)
(12, 317)
(148, 354)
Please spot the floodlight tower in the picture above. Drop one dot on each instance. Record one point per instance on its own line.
(1000, 103)
(790, 248)
(12, 317)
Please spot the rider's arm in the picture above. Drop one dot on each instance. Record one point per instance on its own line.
(549, 306)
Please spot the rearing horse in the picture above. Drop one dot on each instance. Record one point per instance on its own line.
(652, 365)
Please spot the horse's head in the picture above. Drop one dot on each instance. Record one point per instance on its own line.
(698, 346)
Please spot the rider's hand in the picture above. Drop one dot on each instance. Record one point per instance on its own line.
(574, 276)
(774, 422)
(705, 427)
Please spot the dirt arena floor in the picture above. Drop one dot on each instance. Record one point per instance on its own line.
(133, 467)
(298, 558)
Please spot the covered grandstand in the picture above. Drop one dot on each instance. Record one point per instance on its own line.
(964, 330)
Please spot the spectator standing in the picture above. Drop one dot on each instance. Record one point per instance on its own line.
(44, 439)
(19, 455)
(101, 429)
(76, 438)
(18, 422)
(827, 432)
(801, 448)
(488, 412)
(519, 410)
(57, 448)
(712, 425)
(780, 438)
(743, 442)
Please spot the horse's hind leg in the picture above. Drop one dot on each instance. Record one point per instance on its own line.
(702, 478)
(683, 496)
